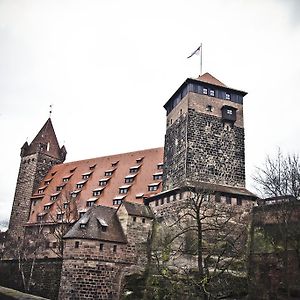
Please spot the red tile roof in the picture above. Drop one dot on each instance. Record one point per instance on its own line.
(206, 77)
(68, 175)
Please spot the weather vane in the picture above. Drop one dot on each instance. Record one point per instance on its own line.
(50, 110)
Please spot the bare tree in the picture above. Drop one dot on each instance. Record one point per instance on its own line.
(279, 176)
(276, 222)
(63, 216)
(202, 245)
(25, 251)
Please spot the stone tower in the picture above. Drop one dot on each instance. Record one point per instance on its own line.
(204, 139)
(36, 160)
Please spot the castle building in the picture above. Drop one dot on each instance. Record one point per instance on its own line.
(103, 199)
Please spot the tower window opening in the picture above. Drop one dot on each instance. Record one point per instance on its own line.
(209, 108)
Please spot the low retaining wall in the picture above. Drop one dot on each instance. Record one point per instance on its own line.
(45, 279)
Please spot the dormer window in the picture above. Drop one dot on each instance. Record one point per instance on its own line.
(227, 96)
(41, 190)
(153, 186)
(91, 202)
(130, 178)
(59, 216)
(157, 176)
(204, 91)
(212, 93)
(114, 163)
(134, 169)
(124, 189)
(59, 187)
(47, 182)
(73, 170)
(103, 181)
(108, 172)
(47, 206)
(86, 175)
(98, 191)
(40, 216)
(66, 205)
(118, 200)
(160, 166)
(139, 196)
(93, 167)
(74, 194)
(67, 178)
(53, 197)
(102, 224)
(80, 184)
(139, 160)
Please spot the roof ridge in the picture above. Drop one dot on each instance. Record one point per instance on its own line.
(110, 156)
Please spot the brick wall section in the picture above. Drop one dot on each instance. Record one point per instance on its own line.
(33, 168)
(46, 276)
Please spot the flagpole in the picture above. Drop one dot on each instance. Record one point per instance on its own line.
(200, 59)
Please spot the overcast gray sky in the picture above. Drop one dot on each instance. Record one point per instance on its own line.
(108, 66)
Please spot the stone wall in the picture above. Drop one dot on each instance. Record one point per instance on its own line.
(45, 280)
(201, 146)
(33, 168)
(92, 271)
(216, 152)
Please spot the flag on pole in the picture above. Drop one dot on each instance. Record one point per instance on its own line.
(196, 52)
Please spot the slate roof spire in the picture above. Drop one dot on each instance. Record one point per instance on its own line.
(45, 142)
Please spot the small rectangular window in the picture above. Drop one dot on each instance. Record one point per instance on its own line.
(54, 244)
(228, 200)
(204, 91)
(156, 202)
(227, 96)
(82, 225)
(129, 179)
(143, 220)
(115, 248)
(101, 246)
(134, 219)
(152, 188)
(117, 201)
(239, 201)
(76, 244)
(157, 176)
(212, 93)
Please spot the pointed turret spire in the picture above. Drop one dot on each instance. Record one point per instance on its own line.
(45, 142)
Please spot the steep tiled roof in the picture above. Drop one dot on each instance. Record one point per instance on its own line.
(139, 210)
(206, 77)
(46, 136)
(101, 178)
(100, 223)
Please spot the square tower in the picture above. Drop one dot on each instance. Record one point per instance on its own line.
(204, 139)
